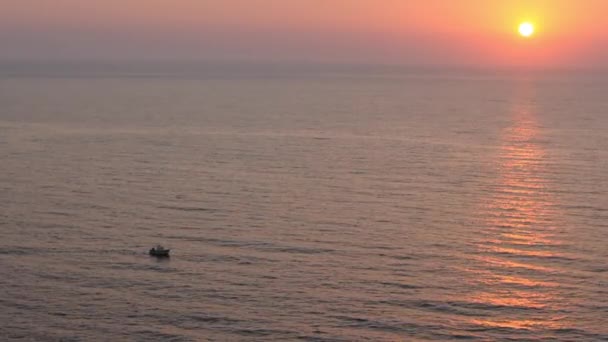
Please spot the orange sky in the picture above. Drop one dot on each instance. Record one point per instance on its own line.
(443, 32)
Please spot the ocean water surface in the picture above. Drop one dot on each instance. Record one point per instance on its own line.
(315, 206)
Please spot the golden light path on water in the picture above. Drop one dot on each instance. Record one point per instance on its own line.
(514, 274)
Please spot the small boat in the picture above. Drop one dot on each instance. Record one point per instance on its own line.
(159, 251)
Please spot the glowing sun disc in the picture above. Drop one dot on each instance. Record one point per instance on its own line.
(526, 29)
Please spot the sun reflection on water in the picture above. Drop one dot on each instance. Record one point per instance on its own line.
(513, 269)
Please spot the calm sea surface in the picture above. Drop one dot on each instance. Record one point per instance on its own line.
(348, 206)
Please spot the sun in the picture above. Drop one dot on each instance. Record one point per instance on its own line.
(526, 29)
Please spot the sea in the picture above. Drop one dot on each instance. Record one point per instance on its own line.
(302, 203)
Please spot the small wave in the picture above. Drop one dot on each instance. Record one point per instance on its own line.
(151, 335)
(142, 267)
(548, 255)
(464, 308)
(395, 326)
(552, 329)
(403, 257)
(56, 213)
(298, 250)
(401, 286)
(211, 319)
(310, 338)
(599, 269)
(189, 208)
(275, 333)
(19, 251)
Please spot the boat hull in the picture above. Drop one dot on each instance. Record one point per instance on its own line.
(163, 253)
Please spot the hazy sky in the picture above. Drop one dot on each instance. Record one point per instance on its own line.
(443, 32)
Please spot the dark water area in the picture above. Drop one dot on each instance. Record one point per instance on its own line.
(355, 206)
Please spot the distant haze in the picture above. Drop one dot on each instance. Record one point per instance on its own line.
(429, 32)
